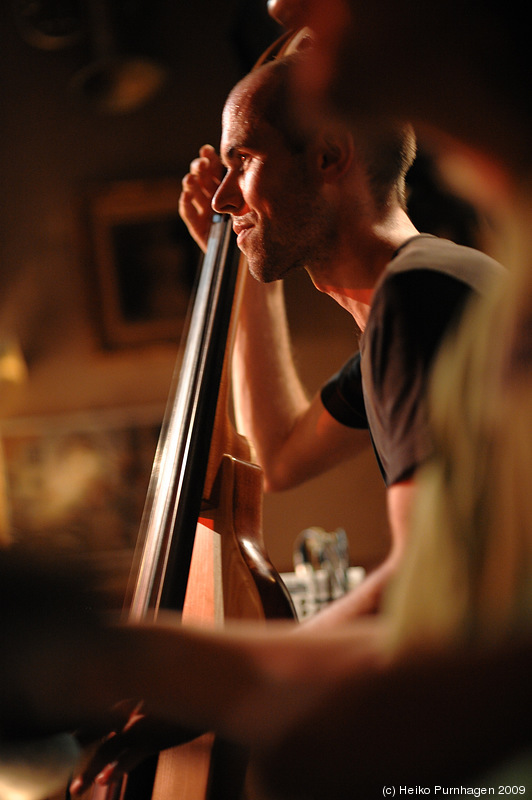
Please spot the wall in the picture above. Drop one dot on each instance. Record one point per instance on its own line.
(54, 149)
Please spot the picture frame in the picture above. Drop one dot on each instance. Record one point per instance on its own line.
(143, 262)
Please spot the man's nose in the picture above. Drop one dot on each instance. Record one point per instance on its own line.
(228, 198)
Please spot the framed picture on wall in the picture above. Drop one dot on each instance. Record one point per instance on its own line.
(143, 261)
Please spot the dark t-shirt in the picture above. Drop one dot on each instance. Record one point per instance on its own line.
(418, 299)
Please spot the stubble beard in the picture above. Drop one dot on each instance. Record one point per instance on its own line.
(267, 267)
(306, 246)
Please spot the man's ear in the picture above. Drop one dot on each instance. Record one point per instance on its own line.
(336, 153)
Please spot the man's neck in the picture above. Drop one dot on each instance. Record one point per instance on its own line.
(360, 261)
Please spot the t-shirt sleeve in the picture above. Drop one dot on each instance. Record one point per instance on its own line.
(410, 318)
(343, 397)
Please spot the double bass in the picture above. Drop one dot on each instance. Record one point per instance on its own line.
(201, 550)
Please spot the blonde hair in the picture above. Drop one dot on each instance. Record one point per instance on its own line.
(467, 575)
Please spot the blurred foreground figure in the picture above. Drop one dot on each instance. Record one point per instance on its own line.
(325, 715)
(462, 71)
(459, 67)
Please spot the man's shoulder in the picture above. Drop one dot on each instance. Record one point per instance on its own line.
(427, 252)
